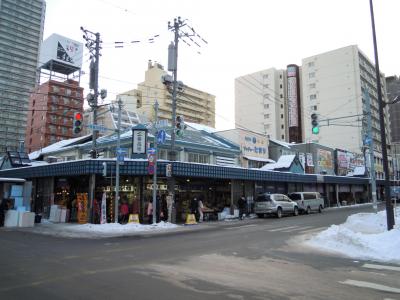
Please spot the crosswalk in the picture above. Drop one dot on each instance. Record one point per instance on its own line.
(384, 270)
(302, 229)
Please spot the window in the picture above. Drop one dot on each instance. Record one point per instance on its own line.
(311, 75)
(311, 64)
(281, 96)
(283, 137)
(68, 92)
(266, 106)
(266, 116)
(282, 126)
(314, 107)
(266, 86)
(280, 86)
(281, 105)
(281, 116)
(313, 96)
(266, 96)
(265, 76)
(311, 85)
(280, 76)
(199, 158)
(56, 89)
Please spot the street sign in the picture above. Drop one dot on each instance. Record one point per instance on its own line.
(151, 151)
(121, 155)
(161, 135)
(98, 127)
(150, 169)
(151, 158)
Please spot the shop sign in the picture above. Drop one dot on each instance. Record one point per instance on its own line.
(168, 170)
(139, 142)
(82, 201)
(325, 159)
(254, 145)
(161, 187)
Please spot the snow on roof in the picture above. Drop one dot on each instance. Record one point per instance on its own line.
(283, 144)
(284, 161)
(56, 146)
(201, 127)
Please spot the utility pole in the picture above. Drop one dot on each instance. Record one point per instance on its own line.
(93, 45)
(155, 165)
(389, 207)
(369, 140)
(117, 160)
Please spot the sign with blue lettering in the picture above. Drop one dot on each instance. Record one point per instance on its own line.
(161, 135)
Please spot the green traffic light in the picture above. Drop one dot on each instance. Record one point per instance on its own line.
(315, 130)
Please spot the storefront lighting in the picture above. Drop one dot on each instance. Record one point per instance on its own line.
(188, 180)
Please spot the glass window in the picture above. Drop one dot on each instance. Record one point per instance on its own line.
(313, 96)
(311, 75)
(311, 85)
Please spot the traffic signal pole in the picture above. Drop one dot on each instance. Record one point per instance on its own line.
(117, 161)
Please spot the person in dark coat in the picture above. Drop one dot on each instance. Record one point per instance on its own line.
(4, 206)
(194, 205)
(241, 206)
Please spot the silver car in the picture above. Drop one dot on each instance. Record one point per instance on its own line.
(274, 204)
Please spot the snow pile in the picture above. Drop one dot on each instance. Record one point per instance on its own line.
(99, 230)
(362, 236)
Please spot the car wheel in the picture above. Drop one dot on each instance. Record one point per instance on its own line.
(308, 210)
(320, 209)
(260, 215)
(296, 211)
(279, 213)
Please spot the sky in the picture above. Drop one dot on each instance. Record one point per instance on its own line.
(242, 37)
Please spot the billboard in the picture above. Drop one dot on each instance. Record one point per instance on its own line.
(253, 144)
(346, 162)
(62, 50)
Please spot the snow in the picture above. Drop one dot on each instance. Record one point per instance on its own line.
(71, 230)
(362, 236)
(283, 162)
(201, 127)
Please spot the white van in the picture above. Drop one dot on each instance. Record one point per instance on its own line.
(308, 201)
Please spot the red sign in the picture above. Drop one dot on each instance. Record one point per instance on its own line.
(150, 169)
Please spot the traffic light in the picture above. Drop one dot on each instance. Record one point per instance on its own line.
(180, 125)
(314, 123)
(78, 122)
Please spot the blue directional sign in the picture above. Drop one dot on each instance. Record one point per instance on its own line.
(121, 154)
(151, 151)
(161, 137)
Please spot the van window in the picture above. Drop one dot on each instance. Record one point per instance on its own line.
(263, 198)
(295, 196)
(309, 196)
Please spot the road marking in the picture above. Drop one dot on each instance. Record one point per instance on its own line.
(282, 228)
(371, 285)
(381, 267)
(297, 229)
(242, 226)
(313, 230)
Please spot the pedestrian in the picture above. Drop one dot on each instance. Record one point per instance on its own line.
(241, 206)
(150, 211)
(200, 210)
(124, 212)
(164, 208)
(3, 209)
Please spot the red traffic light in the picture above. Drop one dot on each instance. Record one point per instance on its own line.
(78, 116)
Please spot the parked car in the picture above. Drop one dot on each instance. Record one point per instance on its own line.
(308, 201)
(274, 204)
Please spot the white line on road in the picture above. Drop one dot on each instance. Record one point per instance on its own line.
(282, 228)
(381, 267)
(313, 230)
(242, 226)
(371, 285)
(297, 229)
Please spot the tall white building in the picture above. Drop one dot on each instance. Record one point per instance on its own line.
(333, 86)
(260, 104)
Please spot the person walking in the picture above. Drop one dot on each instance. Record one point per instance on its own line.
(150, 211)
(241, 206)
(3, 210)
(194, 206)
(200, 210)
(124, 212)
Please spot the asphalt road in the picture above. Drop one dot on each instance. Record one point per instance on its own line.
(249, 259)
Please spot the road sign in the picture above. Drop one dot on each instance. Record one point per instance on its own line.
(121, 155)
(151, 158)
(161, 135)
(98, 127)
(151, 151)
(150, 169)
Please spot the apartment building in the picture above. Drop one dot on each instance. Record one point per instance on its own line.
(260, 104)
(21, 31)
(334, 86)
(194, 105)
(51, 111)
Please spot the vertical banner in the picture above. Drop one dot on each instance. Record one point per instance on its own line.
(82, 200)
(103, 216)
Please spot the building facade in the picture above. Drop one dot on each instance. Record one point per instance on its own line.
(194, 105)
(21, 31)
(260, 103)
(393, 89)
(333, 86)
(51, 111)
